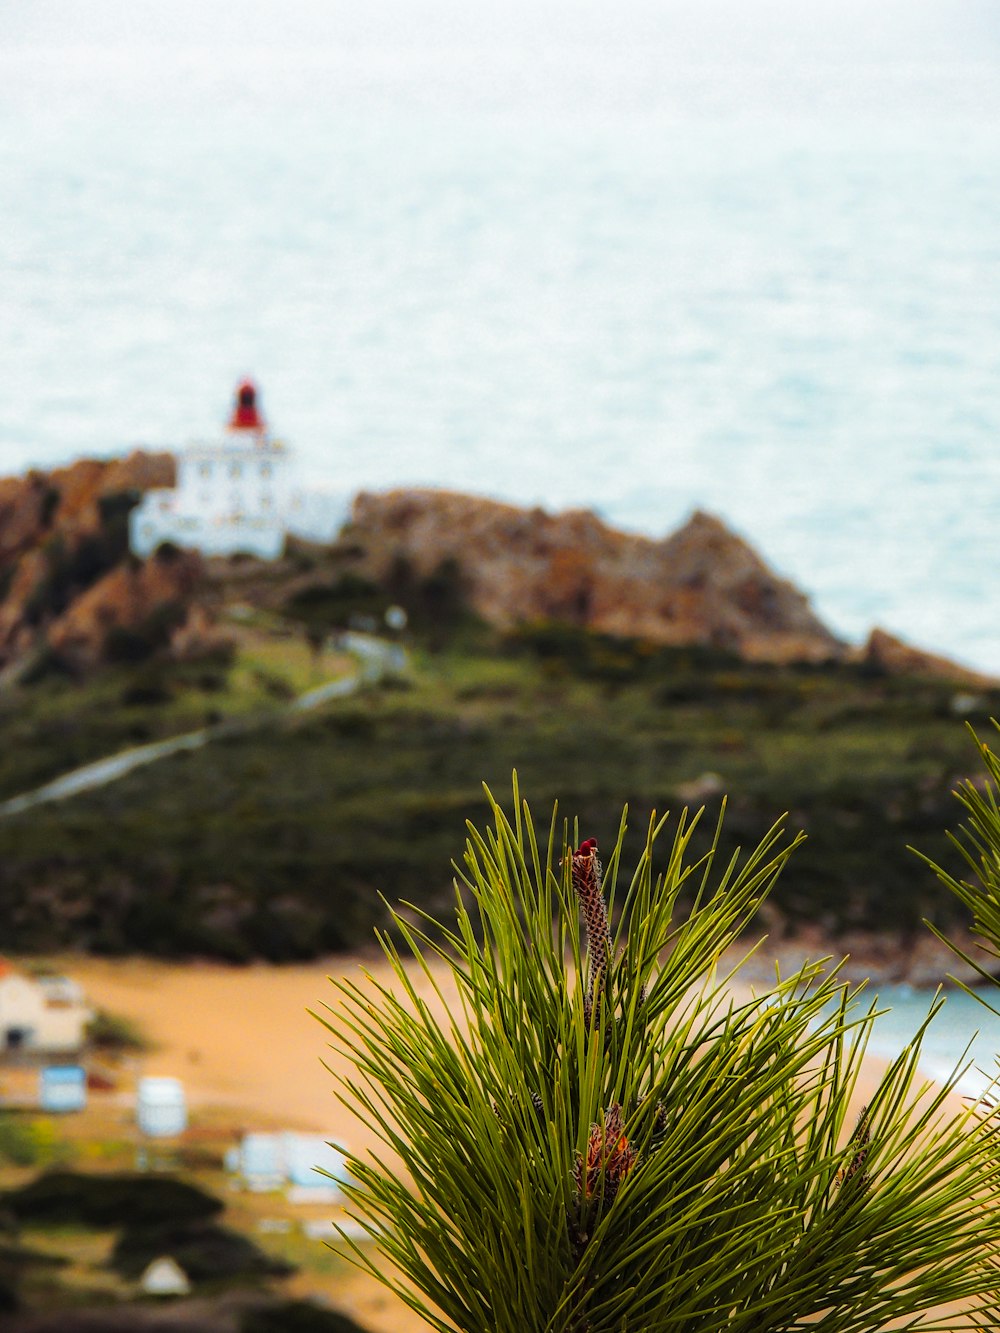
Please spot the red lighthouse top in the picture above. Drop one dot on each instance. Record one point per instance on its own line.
(246, 415)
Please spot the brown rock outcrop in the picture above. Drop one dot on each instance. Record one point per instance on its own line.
(68, 498)
(702, 585)
(151, 598)
(884, 652)
(884, 958)
(62, 535)
(63, 538)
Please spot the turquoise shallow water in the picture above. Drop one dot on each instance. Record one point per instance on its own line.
(737, 257)
(963, 1038)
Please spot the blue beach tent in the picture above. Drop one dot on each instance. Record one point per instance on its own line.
(62, 1088)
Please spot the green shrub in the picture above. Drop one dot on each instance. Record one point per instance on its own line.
(114, 509)
(600, 1138)
(24, 1142)
(206, 1251)
(123, 644)
(72, 1198)
(46, 663)
(146, 689)
(113, 1032)
(48, 505)
(297, 1317)
(167, 553)
(150, 635)
(331, 605)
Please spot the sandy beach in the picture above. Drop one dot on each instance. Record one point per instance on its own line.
(244, 1038)
(241, 1038)
(245, 1045)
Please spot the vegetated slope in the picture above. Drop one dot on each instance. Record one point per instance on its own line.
(279, 844)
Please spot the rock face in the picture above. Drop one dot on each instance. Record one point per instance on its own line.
(884, 958)
(885, 653)
(68, 499)
(146, 604)
(69, 589)
(66, 583)
(702, 585)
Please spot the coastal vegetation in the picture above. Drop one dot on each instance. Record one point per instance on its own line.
(116, 1035)
(277, 840)
(602, 665)
(28, 1140)
(599, 1136)
(978, 843)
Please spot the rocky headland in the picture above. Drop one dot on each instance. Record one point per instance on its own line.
(71, 595)
(701, 585)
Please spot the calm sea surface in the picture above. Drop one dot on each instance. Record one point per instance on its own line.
(641, 257)
(963, 1038)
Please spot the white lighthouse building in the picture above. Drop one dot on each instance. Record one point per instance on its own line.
(236, 494)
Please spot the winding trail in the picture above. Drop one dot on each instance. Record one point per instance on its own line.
(375, 658)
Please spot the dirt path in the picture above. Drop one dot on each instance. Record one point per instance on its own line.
(374, 657)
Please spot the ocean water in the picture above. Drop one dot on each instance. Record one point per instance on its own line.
(961, 1045)
(738, 255)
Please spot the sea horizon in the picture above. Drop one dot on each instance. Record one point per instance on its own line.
(721, 259)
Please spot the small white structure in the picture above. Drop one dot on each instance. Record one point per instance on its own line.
(165, 1277)
(260, 1161)
(271, 1161)
(232, 495)
(161, 1107)
(62, 1088)
(46, 1015)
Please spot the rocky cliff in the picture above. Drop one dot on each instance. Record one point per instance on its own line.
(70, 593)
(68, 590)
(702, 585)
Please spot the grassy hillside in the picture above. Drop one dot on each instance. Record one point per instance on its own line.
(277, 843)
(57, 724)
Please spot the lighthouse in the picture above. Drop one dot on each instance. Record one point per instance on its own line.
(233, 494)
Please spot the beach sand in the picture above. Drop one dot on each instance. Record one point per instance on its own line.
(243, 1038)
(238, 1037)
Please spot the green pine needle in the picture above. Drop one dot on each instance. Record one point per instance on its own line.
(667, 1158)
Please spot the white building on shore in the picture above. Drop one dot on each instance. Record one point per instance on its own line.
(45, 1015)
(236, 494)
